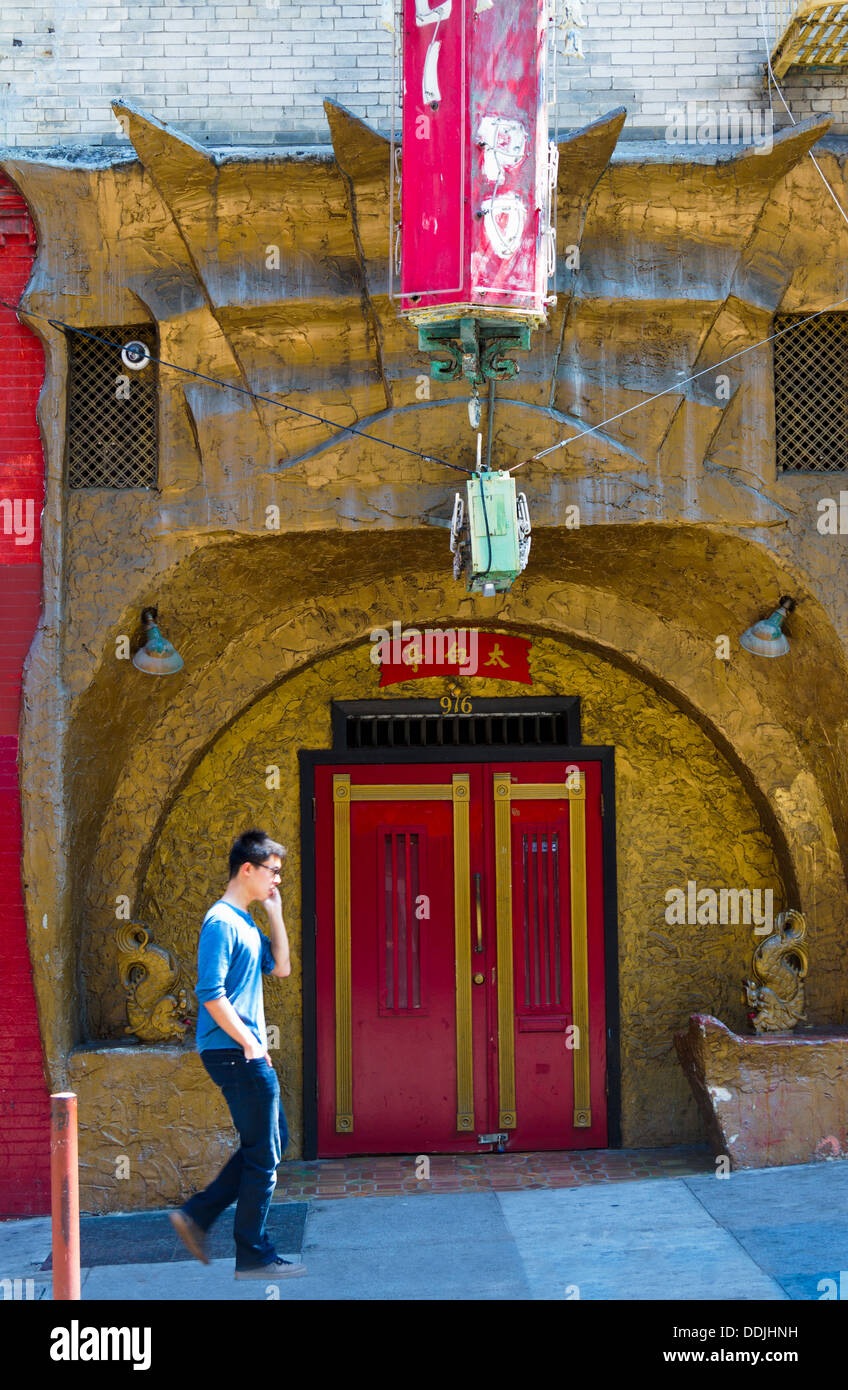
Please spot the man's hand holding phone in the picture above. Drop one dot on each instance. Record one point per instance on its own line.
(273, 901)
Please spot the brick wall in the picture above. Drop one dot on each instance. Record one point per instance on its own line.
(257, 73)
(24, 1105)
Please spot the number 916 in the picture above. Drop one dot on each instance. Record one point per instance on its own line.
(456, 704)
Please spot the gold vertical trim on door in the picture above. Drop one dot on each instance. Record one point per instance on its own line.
(461, 793)
(580, 963)
(341, 871)
(503, 899)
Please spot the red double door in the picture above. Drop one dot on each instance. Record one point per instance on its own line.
(460, 960)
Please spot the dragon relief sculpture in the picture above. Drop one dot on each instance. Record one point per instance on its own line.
(147, 974)
(775, 997)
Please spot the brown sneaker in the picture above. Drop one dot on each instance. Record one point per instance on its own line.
(277, 1269)
(192, 1236)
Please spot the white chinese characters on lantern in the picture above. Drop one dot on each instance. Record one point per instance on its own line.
(430, 79)
(503, 223)
(425, 14)
(504, 144)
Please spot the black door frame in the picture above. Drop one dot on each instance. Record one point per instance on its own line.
(310, 759)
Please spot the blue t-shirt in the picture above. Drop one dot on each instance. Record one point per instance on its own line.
(232, 956)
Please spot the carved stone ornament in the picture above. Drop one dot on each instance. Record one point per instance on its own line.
(775, 996)
(147, 973)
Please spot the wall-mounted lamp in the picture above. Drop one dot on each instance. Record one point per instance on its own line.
(766, 637)
(156, 656)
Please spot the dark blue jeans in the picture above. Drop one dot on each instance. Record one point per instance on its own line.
(252, 1092)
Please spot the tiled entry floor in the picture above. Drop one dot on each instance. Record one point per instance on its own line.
(390, 1174)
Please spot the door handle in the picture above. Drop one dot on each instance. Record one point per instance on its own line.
(479, 908)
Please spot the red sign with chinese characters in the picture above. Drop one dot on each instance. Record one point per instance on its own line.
(457, 652)
(475, 195)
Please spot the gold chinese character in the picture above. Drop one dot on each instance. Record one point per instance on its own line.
(497, 657)
(413, 656)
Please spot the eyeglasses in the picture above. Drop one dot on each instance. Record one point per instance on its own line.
(270, 868)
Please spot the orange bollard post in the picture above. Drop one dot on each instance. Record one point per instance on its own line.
(64, 1185)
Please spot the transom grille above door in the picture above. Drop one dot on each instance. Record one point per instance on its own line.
(111, 411)
(811, 393)
(551, 722)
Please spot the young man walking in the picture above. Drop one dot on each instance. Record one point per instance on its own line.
(232, 956)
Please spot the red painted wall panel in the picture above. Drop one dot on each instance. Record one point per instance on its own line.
(24, 1104)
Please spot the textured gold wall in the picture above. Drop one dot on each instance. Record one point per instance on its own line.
(681, 813)
(152, 1127)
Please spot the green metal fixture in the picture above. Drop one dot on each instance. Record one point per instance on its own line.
(490, 533)
(476, 349)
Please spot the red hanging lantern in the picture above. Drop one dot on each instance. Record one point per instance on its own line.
(476, 234)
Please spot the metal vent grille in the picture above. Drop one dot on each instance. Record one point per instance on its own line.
(111, 424)
(533, 730)
(811, 394)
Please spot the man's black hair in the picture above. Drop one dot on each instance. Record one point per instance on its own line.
(253, 847)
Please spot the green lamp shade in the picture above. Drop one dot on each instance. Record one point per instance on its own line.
(766, 638)
(157, 656)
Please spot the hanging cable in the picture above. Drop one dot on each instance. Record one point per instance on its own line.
(490, 421)
(488, 568)
(489, 427)
(482, 496)
(245, 391)
(678, 385)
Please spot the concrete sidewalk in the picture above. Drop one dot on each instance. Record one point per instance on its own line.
(774, 1234)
